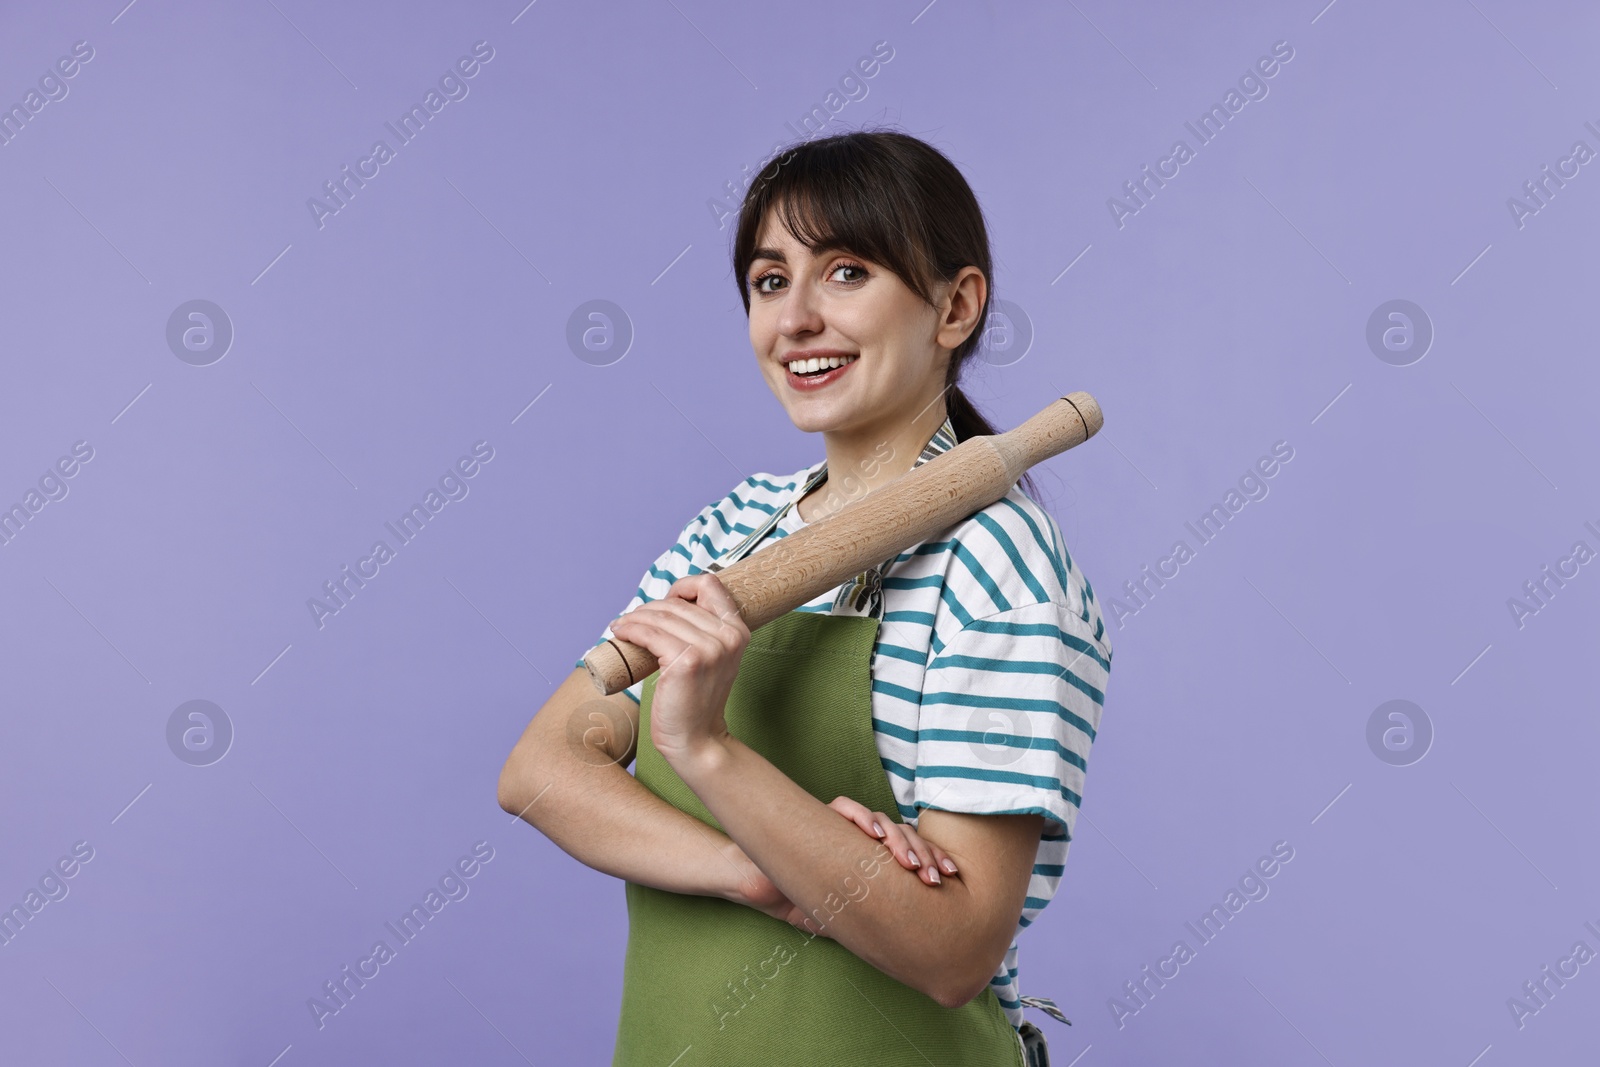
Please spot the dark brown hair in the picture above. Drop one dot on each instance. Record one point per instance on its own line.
(893, 199)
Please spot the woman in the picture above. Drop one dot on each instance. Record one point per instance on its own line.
(839, 823)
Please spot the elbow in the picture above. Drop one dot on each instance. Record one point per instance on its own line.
(506, 791)
(954, 984)
(513, 785)
(958, 983)
(960, 973)
(955, 996)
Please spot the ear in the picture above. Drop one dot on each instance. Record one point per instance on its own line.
(960, 306)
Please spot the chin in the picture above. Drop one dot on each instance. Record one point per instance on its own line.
(821, 421)
(810, 422)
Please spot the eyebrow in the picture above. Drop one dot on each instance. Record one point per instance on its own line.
(777, 256)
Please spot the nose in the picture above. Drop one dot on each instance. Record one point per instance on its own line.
(802, 312)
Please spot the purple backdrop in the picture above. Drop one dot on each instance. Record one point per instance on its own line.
(1379, 259)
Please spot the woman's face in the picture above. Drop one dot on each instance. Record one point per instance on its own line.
(833, 303)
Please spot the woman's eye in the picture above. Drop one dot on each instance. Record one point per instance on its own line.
(760, 284)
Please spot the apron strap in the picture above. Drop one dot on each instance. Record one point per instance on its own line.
(1046, 1005)
(863, 595)
(739, 551)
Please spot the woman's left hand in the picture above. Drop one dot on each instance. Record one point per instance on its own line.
(911, 850)
(696, 634)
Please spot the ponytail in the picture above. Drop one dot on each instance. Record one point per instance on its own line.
(968, 421)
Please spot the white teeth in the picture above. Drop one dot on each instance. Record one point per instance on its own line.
(811, 366)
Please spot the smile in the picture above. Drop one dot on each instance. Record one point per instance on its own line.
(816, 373)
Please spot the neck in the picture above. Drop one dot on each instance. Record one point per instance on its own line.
(860, 461)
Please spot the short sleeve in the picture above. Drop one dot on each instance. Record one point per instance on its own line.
(1010, 707)
(676, 562)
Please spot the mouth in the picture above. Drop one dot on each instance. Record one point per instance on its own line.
(814, 373)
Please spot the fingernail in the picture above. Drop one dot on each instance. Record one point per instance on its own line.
(876, 828)
(914, 861)
(949, 867)
(934, 874)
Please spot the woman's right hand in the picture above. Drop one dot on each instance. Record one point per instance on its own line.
(754, 889)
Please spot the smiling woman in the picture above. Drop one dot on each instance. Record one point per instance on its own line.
(938, 708)
(806, 233)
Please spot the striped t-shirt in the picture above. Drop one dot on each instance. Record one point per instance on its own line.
(988, 673)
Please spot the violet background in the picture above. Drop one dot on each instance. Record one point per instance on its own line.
(1227, 315)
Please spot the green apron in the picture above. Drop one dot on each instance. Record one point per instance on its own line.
(711, 983)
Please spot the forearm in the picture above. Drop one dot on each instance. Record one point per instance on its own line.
(890, 918)
(605, 818)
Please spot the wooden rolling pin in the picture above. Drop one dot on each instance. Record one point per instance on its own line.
(959, 482)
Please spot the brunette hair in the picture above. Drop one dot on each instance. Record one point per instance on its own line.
(893, 199)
